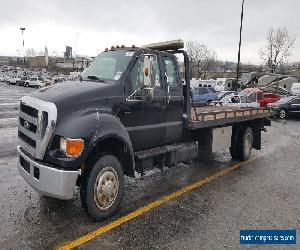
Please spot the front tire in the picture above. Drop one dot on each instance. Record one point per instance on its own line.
(282, 114)
(102, 187)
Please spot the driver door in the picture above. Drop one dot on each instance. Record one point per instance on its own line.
(144, 119)
(295, 106)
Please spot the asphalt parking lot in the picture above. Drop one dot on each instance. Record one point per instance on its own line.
(260, 194)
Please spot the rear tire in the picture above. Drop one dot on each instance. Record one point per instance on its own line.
(102, 187)
(242, 143)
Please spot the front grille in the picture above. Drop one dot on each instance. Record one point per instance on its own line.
(24, 164)
(30, 126)
(29, 110)
(37, 120)
(27, 139)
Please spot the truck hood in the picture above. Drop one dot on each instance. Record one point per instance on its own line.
(70, 97)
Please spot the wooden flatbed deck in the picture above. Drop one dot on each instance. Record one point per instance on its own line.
(217, 116)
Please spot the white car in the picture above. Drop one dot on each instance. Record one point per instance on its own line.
(36, 82)
(295, 90)
(241, 101)
(14, 79)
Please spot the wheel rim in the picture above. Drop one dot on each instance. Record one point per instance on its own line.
(248, 144)
(282, 114)
(106, 188)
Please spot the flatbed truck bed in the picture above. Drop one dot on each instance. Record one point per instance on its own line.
(220, 116)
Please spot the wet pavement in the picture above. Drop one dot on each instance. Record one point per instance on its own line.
(262, 194)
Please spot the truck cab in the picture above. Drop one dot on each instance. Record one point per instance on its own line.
(129, 99)
(128, 112)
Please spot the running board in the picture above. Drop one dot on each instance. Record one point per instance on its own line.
(165, 156)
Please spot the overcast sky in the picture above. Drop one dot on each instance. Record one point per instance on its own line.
(90, 26)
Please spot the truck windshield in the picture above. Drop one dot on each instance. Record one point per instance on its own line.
(108, 66)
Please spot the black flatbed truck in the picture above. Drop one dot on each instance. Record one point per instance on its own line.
(129, 112)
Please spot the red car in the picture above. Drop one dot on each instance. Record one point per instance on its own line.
(259, 96)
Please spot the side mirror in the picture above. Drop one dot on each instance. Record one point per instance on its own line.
(147, 88)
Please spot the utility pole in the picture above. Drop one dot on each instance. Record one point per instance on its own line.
(239, 52)
(22, 30)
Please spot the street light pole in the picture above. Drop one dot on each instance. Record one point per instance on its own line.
(239, 52)
(22, 30)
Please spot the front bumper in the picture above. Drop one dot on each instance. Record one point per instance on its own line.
(47, 179)
(275, 110)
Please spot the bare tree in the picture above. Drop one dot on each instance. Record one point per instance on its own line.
(41, 53)
(278, 47)
(30, 52)
(202, 58)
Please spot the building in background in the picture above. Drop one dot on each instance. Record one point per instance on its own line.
(68, 52)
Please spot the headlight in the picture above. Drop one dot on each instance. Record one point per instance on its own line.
(71, 147)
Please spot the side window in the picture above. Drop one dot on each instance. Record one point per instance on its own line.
(137, 73)
(248, 100)
(196, 91)
(296, 101)
(259, 95)
(171, 73)
(243, 99)
(252, 96)
(203, 91)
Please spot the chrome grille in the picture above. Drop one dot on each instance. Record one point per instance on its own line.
(27, 139)
(28, 125)
(29, 110)
(37, 121)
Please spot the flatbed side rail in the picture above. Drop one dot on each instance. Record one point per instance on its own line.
(229, 113)
(226, 116)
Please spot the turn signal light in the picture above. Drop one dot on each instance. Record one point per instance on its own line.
(71, 147)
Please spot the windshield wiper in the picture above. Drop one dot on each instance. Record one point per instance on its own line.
(95, 78)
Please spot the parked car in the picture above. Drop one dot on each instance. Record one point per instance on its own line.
(257, 95)
(295, 90)
(22, 81)
(241, 101)
(59, 79)
(13, 80)
(49, 80)
(224, 93)
(224, 84)
(36, 82)
(6, 78)
(204, 95)
(286, 106)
